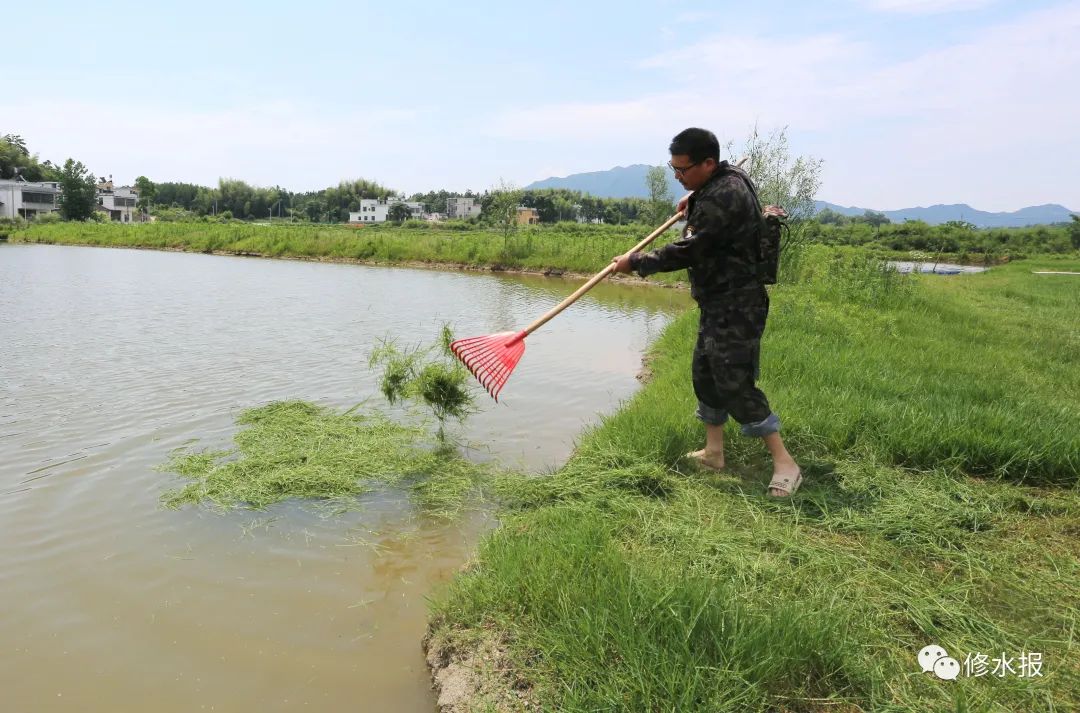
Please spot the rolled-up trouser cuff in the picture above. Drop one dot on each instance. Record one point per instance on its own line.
(711, 416)
(771, 424)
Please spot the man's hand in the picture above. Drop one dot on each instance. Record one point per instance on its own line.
(622, 263)
(683, 202)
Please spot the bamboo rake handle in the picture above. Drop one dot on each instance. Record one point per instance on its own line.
(598, 277)
(602, 274)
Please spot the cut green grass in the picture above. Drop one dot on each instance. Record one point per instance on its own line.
(295, 449)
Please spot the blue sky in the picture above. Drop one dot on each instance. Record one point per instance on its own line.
(909, 102)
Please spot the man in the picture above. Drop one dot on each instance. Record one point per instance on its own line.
(720, 251)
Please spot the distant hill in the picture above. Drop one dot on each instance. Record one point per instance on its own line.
(618, 182)
(937, 214)
(629, 182)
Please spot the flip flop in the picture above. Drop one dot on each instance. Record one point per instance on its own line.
(785, 482)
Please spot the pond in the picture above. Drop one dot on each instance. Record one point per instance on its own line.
(113, 358)
(934, 268)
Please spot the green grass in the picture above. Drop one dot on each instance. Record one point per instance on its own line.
(295, 449)
(935, 424)
(566, 247)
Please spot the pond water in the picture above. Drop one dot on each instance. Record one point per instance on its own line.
(934, 268)
(112, 358)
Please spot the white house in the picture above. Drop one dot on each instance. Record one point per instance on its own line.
(376, 211)
(119, 203)
(462, 208)
(22, 199)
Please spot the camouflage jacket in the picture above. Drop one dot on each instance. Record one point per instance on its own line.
(719, 246)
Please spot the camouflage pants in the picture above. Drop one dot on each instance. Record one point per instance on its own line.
(726, 360)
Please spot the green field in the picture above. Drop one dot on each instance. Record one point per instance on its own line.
(569, 247)
(937, 422)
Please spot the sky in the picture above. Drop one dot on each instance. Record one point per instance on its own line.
(907, 102)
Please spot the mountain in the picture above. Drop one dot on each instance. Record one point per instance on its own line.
(629, 182)
(937, 214)
(618, 182)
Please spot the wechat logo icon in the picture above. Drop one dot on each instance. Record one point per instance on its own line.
(936, 659)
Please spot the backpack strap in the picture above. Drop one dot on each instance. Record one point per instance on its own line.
(725, 165)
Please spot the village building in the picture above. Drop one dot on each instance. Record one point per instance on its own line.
(25, 199)
(377, 211)
(120, 203)
(462, 208)
(527, 216)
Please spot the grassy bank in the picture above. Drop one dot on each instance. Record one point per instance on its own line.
(937, 422)
(568, 247)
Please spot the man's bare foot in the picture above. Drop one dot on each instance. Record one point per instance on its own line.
(786, 479)
(705, 459)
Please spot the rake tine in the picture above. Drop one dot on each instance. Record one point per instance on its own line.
(496, 378)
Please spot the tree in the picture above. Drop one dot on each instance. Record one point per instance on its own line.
(1074, 230)
(565, 208)
(16, 160)
(78, 197)
(314, 210)
(145, 187)
(592, 209)
(779, 179)
(661, 205)
(18, 142)
(398, 213)
(829, 216)
(612, 214)
(500, 206)
(11, 159)
(872, 218)
(181, 195)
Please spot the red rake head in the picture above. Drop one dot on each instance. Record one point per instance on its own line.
(490, 358)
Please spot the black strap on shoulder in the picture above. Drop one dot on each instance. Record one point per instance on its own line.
(728, 167)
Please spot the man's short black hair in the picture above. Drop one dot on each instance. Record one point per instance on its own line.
(698, 144)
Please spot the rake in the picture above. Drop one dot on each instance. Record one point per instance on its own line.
(493, 357)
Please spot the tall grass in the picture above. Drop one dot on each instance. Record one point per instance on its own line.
(935, 423)
(564, 247)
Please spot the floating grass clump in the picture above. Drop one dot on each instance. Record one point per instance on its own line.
(296, 449)
(430, 376)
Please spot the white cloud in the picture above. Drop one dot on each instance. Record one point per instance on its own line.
(716, 82)
(932, 127)
(1004, 92)
(973, 109)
